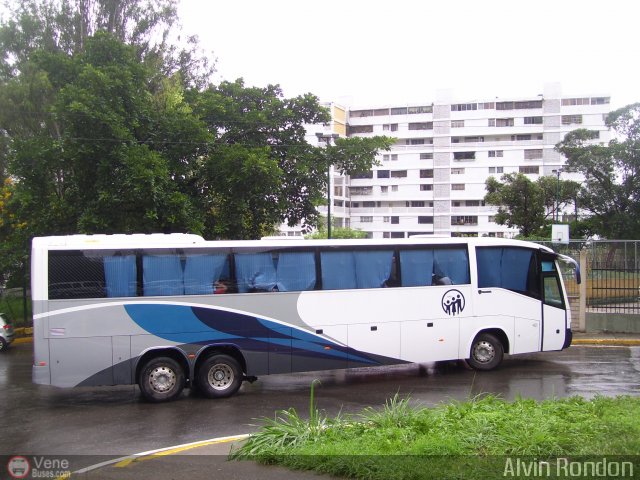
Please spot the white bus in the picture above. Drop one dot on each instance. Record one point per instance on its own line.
(174, 311)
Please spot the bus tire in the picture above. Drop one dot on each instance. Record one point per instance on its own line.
(219, 376)
(161, 379)
(486, 352)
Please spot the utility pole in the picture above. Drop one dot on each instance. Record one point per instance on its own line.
(326, 138)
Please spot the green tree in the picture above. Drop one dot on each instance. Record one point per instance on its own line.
(610, 192)
(520, 202)
(558, 194)
(261, 171)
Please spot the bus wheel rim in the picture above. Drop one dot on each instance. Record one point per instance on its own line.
(221, 376)
(484, 352)
(162, 379)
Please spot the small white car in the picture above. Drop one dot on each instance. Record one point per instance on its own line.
(6, 332)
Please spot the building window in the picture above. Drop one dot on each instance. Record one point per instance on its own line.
(395, 220)
(464, 220)
(457, 186)
(425, 220)
(383, 174)
(571, 119)
(387, 157)
(357, 176)
(366, 219)
(496, 169)
(426, 187)
(369, 204)
(399, 111)
(492, 122)
(474, 203)
(504, 122)
(361, 113)
(360, 129)
(390, 127)
(426, 156)
(519, 105)
(361, 190)
(529, 169)
(496, 153)
(464, 155)
(415, 141)
(428, 173)
(386, 219)
(487, 106)
(394, 188)
(422, 109)
(384, 190)
(520, 138)
(463, 107)
(421, 126)
(533, 154)
(599, 100)
(398, 173)
(457, 123)
(568, 102)
(492, 219)
(457, 171)
(533, 120)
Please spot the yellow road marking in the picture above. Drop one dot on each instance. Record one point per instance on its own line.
(170, 451)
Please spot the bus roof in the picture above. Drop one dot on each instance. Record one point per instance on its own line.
(178, 240)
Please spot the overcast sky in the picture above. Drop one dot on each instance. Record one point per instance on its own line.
(370, 51)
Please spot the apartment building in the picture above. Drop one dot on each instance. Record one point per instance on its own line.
(433, 179)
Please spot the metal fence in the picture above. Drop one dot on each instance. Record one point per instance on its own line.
(612, 275)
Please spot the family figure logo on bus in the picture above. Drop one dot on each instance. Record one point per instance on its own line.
(453, 302)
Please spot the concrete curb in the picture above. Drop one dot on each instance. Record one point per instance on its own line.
(620, 342)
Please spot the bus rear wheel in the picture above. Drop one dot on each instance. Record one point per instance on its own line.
(219, 376)
(486, 352)
(161, 379)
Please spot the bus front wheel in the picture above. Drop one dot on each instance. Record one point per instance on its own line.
(219, 376)
(486, 352)
(161, 379)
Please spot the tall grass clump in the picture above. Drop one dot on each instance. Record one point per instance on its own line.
(450, 440)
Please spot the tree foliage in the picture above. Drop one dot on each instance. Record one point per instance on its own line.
(611, 189)
(520, 202)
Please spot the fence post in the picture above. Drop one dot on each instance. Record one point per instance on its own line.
(582, 310)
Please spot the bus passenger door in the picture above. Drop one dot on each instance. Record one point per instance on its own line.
(554, 308)
(508, 295)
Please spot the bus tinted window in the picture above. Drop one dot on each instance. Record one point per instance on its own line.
(75, 275)
(511, 268)
(275, 271)
(349, 269)
(442, 266)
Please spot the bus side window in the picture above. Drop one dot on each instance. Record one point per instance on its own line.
(551, 285)
(120, 274)
(256, 272)
(296, 271)
(451, 266)
(202, 274)
(162, 275)
(356, 269)
(510, 268)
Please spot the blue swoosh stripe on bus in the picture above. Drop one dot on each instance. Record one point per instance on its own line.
(162, 320)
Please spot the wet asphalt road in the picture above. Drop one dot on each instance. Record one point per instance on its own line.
(115, 421)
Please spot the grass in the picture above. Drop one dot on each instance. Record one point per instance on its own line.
(454, 440)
